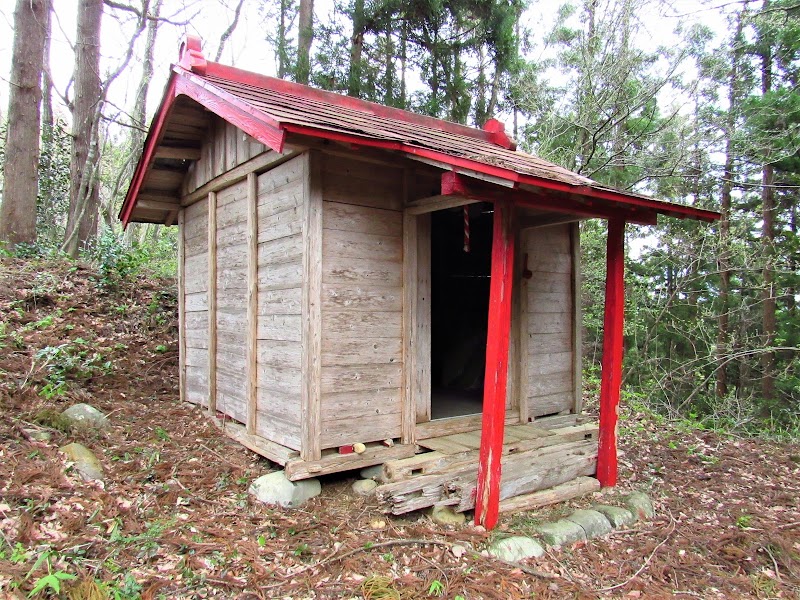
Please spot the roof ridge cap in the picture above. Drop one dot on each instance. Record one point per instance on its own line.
(242, 76)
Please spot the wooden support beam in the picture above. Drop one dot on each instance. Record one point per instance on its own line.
(458, 185)
(422, 350)
(577, 317)
(611, 376)
(547, 220)
(239, 173)
(172, 216)
(165, 203)
(252, 302)
(181, 307)
(434, 203)
(408, 411)
(311, 393)
(494, 392)
(212, 304)
(266, 448)
(178, 153)
(559, 493)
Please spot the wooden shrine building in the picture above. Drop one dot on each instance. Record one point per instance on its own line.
(356, 274)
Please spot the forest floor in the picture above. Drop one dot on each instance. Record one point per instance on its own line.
(173, 518)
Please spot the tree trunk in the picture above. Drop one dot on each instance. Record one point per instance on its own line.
(389, 75)
(282, 50)
(403, 63)
(768, 241)
(480, 91)
(20, 168)
(47, 83)
(583, 141)
(304, 38)
(223, 39)
(356, 47)
(84, 193)
(723, 320)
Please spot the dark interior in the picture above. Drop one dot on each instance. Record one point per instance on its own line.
(459, 309)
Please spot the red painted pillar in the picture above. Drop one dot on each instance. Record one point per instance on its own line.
(611, 376)
(487, 499)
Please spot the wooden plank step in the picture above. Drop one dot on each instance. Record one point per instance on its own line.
(529, 432)
(431, 463)
(471, 439)
(444, 445)
(396, 470)
(531, 474)
(522, 473)
(559, 493)
(556, 421)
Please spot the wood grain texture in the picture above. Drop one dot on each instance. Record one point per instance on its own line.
(252, 300)
(348, 180)
(577, 319)
(274, 452)
(212, 304)
(332, 462)
(215, 182)
(312, 313)
(181, 309)
(422, 367)
(548, 324)
(408, 398)
(362, 301)
(279, 332)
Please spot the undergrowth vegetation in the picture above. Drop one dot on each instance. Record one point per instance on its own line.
(173, 518)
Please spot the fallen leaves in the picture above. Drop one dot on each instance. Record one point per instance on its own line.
(175, 519)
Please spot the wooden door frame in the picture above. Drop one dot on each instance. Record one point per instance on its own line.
(416, 411)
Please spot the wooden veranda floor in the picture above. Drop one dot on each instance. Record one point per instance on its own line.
(536, 456)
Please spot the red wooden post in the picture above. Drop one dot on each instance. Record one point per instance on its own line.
(487, 499)
(611, 376)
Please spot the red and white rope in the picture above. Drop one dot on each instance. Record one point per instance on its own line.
(466, 228)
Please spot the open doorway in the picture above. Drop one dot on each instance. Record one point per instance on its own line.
(460, 280)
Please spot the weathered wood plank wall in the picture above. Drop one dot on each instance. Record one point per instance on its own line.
(226, 146)
(549, 375)
(231, 317)
(362, 301)
(280, 278)
(278, 244)
(195, 234)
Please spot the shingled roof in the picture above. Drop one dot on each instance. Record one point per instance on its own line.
(269, 109)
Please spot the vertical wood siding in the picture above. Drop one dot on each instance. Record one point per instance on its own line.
(225, 147)
(195, 228)
(231, 377)
(549, 387)
(362, 301)
(280, 276)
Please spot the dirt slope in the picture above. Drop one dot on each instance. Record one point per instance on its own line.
(173, 519)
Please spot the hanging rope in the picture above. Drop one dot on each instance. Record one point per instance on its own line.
(466, 228)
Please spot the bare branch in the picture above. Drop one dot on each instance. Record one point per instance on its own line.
(227, 33)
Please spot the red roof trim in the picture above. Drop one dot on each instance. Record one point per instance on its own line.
(272, 133)
(148, 154)
(455, 184)
(509, 175)
(304, 91)
(250, 120)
